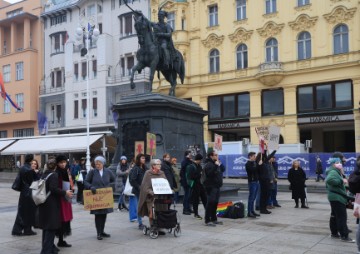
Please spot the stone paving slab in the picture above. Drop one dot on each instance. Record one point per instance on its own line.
(286, 230)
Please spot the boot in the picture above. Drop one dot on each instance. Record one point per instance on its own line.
(120, 207)
(125, 207)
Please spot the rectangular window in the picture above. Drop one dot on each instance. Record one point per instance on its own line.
(323, 97)
(23, 132)
(303, 2)
(3, 134)
(229, 106)
(76, 71)
(58, 113)
(214, 107)
(343, 95)
(94, 67)
(6, 73)
(273, 102)
(213, 15)
(130, 64)
(122, 66)
(95, 107)
(76, 109)
(57, 43)
(270, 6)
(100, 28)
(83, 107)
(112, 4)
(20, 101)
(243, 105)
(91, 10)
(58, 79)
(240, 9)
(128, 24)
(52, 79)
(19, 71)
(171, 20)
(83, 70)
(305, 98)
(6, 107)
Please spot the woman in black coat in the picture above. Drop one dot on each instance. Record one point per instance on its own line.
(49, 212)
(297, 178)
(100, 177)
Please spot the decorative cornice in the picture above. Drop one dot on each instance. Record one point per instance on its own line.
(303, 22)
(340, 14)
(335, 1)
(213, 40)
(169, 6)
(303, 7)
(240, 35)
(270, 29)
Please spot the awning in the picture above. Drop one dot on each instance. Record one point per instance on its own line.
(5, 143)
(50, 144)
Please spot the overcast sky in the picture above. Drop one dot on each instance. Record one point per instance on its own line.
(13, 1)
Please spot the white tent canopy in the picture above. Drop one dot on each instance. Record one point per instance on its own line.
(6, 142)
(51, 144)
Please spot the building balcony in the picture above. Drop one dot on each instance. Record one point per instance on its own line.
(270, 73)
(124, 79)
(48, 89)
(56, 124)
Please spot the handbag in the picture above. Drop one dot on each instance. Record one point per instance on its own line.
(128, 188)
(17, 184)
(79, 177)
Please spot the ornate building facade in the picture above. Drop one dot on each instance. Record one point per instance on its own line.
(253, 63)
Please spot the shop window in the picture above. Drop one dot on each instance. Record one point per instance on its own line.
(304, 46)
(343, 95)
(272, 102)
(229, 106)
(214, 58)
(240, 9)
(213, 15)
(242, 57)
(305, 98)
(341, 39)
(214, 107)
(271, 50)
(323, 96)
(243, 101)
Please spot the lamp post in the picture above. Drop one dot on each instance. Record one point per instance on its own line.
(87, 33)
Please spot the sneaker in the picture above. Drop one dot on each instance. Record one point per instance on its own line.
(347, 239)
(250, 215)
(210, 224)
(63, 244)
(186, 212)
(217, 222)
(256, 214)
(198, 217)
(337, 236)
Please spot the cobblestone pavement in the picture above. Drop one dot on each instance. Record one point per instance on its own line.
(286, 230)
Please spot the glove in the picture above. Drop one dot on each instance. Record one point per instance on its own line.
(93, 190)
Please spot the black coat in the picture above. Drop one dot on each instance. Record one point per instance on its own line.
(135, 178)
(167, 169)
(94, 179)
(297, 180)
(214, 174)
(186, 162)
(49, 212)
(26, 205)
(252, 171)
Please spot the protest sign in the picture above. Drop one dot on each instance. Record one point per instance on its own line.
(139, 147)
(161, 186)
(150, 144)
(101, 200)
(218, 142)
(274, 137)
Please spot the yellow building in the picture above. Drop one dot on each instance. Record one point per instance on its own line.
(21, 58)
(262, 62)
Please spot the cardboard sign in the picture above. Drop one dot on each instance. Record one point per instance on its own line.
(218, 142)
(194, 149)
(274, 137)
(139, 147)
(262, 132)
(150, 144)
(161, 186)
(101, 200)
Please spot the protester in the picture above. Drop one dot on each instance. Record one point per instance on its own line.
(273, 190)
(122, 171)
(186, 202)
(132, 199)
(197, 191)
(146, 197)
(357, 172)
(135, 177)
(176, 173)
(80, 169)
(319, 169)
(335, 185)
(49, 212)
(25, 217)
(214, 179)
(252, 171)
(65, 183)
(167, 169)
(297, 178)
(100, 177)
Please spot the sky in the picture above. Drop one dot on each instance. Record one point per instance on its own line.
(13, 1)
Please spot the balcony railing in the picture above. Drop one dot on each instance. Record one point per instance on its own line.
(144, 75)
(270, 73)
(271, 66)
(50, 90)
(56, 124)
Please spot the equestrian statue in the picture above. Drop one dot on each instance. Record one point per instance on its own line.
(157, 50)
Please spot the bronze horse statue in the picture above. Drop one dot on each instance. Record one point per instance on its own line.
(149, 55)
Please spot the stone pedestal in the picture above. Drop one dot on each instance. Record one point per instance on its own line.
(177, 123)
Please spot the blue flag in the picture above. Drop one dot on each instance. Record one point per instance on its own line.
(42, 123)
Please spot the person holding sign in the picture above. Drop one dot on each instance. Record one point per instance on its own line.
(100, 177)
(146, 198)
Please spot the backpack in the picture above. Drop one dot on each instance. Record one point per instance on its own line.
(38, 191)
(17, 185)
(354, 182)
(235, 211)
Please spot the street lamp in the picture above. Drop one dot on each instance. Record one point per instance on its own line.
(87, 33)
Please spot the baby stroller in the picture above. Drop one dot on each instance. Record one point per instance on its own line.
(163, 218)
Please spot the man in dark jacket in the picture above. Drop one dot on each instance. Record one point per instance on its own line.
(214, 180)
(186, 202)
(253, 183)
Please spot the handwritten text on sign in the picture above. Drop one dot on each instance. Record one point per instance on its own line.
(160, 186)
(101, 200)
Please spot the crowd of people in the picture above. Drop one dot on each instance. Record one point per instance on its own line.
(201, 179)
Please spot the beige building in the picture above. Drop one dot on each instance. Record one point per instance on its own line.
(266, 62)
(21, 63)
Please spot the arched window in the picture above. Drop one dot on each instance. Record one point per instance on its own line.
(341, 39)
(271, 50)
(304, 46)
(214, 62)
(242, 57)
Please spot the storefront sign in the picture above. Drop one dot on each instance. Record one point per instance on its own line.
(102, 199)
(326, 119)
(233, 125)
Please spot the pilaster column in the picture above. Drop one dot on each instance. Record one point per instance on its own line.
(1, 40)
(26, 33)
(12, 38)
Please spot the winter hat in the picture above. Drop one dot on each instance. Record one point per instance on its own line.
(198, 157)
(123, 158)
(61, 157)
(100, 159)
(334, 160)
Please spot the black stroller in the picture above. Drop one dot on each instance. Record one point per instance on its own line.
(163, 217)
